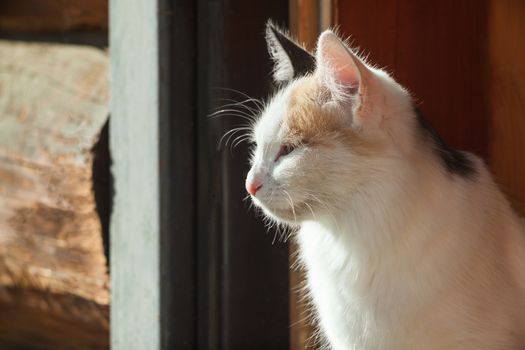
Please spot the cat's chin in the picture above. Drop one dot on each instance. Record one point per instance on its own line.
(281, 215)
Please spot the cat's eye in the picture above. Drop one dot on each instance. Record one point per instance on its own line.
(284, 150)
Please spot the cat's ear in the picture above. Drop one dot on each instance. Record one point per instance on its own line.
(290, 59)
(338, 66)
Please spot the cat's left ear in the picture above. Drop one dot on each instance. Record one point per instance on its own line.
(290, 59)
(338, 67)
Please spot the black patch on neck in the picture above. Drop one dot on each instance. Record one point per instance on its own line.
(302, 61)
(456, 162)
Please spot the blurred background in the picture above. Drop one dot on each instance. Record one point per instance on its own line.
(111, 170)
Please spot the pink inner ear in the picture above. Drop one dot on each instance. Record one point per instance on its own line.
(335, 59)
(348, 76)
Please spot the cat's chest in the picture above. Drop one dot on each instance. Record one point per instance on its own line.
(333, 262)
(351, 299)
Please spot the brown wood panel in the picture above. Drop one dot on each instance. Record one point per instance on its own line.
(53, 16)
(506, 88)
(438, 50)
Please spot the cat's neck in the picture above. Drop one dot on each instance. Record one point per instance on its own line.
(412, 208)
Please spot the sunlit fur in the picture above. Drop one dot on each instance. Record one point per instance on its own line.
(399, 252)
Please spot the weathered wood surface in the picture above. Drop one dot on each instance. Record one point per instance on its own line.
(53, 15)
(53, 274)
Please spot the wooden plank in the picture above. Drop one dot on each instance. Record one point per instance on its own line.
(53, 15)
(53, 276)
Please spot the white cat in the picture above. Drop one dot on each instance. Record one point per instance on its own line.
(407, 243)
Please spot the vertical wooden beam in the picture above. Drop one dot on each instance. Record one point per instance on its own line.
(506, 83)
(152, 144)
(304, 21)
(326, 14)
(177, 152)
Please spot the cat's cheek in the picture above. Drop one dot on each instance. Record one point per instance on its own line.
(284, 172)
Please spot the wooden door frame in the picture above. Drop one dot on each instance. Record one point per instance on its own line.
(187, 269)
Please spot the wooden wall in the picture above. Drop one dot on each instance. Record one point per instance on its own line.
(506, 85)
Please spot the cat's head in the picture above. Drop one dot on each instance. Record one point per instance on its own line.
(335, 125)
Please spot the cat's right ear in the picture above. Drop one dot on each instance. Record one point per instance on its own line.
(290, 59)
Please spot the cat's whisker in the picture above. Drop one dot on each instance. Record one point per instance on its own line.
(248, 120)
(232, 113)
(243, 104)
(275, 236)
(311, 210)
(291, 205)
(287, 232)
(229, 134)
(329, 210)
(225, 109)
(241, 139)
(231, 143)
(245, 134)
(240, 93)
(301, 320)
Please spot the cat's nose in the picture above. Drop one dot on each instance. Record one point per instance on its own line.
(253, 186)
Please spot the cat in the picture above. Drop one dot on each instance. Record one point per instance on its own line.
(407, 243)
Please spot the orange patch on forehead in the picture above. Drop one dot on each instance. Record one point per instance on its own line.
(306, 120)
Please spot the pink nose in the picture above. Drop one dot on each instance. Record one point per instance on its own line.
(253, 187)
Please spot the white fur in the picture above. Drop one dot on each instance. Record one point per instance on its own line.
(283, 69)
(401, 254)
(404, 270)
